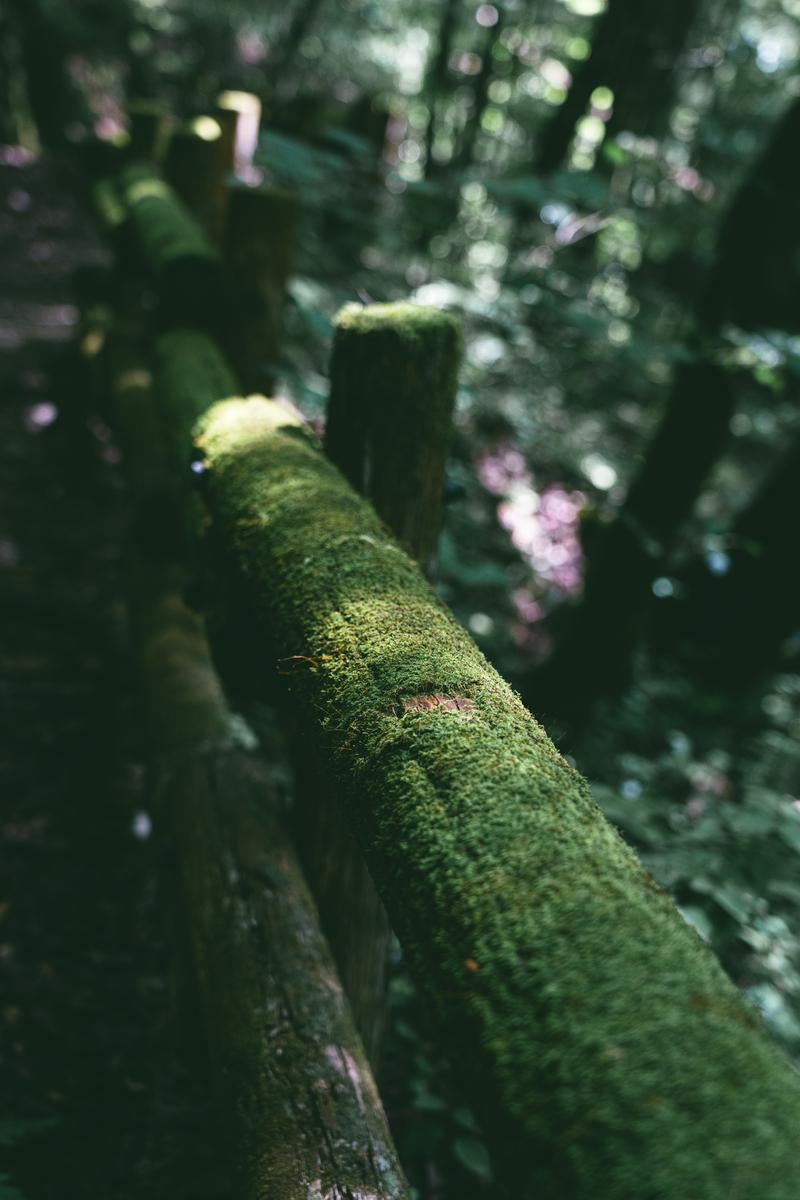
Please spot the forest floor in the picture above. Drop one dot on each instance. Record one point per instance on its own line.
(88, 1044)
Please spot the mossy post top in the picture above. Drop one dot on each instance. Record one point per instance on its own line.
(394, 378)
(597, 1037)
(400, 318)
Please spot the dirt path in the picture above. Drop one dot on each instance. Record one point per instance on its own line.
(86, 1035)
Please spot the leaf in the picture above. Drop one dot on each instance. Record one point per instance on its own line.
(473, 1155)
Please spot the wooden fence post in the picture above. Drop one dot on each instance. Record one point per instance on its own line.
(147, 129)
(239, 114)
(260, 248)
(393, 383)
(185, 267)
(195, 168)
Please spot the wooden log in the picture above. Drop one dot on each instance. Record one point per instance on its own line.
(186, 269)
(260, 250)
(195, 168)
(393, 385)
(299, 1102)
(599, 1041)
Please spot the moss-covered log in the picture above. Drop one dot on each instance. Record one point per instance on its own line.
(298, 1099)
(602, 1045)
(186, 268)
(393, 383)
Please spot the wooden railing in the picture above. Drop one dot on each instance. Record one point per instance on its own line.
(602, 1047)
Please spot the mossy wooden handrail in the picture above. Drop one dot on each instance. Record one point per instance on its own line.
(297, 1096)
(169, 243)
(600, 1042)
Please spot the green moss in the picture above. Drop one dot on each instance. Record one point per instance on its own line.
(394, 376)
(164, 229)
(109, 206)
(403, 319)
(192, 375)
(599, 1039)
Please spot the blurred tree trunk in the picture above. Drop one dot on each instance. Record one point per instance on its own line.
(594, 657)
(302, 19)
(634, 54)
(53, 97)
(480, 96)
(436, 77)
(9, 101)
(737, 620)
(755, 281)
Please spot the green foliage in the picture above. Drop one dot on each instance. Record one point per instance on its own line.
(723, 834)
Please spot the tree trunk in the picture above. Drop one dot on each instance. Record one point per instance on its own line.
(636, 59)
(593, 658)
(54, 99)
(480, 97)
(299, 1104)
(436, 77)
(756, 279)
(303, 18)
(602, 1046)
(736, 622)
(594, 655)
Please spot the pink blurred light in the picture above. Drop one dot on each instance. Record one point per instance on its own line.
(16, 156)
(251, 47)
(39, 416)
